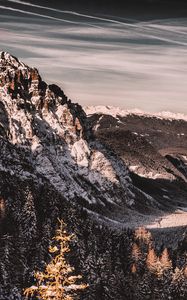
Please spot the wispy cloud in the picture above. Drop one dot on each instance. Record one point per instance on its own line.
(148, 31)
(43, 16)
(142, 66)
(73, 13)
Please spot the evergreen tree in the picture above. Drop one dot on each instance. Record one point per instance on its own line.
(28, 216)
(152, 260)
(178, 288)
(57, 282)
(165, 260)
(136, 252)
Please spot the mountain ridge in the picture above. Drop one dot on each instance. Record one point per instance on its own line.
(117, 111)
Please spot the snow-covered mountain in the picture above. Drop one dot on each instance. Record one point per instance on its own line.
(160, 134)
(102, 174)
(39, 119)
(117, 111)
(154, 146)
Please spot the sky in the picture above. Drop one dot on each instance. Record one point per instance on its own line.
(130, 56)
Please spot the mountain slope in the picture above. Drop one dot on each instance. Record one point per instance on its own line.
(153, 146)
(41, 120)
(52, 166)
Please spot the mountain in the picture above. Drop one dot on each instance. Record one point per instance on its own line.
(49, 129)
(54, 164)
(153, 146)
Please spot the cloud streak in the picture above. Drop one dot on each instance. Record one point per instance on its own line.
(105, 65)
(135, 24)
(140, 28)
(44, 16)
(72, 13)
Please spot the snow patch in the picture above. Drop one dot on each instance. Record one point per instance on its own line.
(81, 153)
(102, 165)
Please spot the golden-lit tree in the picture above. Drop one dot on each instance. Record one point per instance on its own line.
(156, 265)
(58, 281)
(136, 252)
(133, 269)
(165, 260)
(152, 260)
(142, 234)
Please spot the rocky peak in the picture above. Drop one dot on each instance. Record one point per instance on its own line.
(26, 98)
(6, 59)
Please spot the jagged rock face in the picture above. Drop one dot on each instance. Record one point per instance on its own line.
(26, 97)
(39, 117)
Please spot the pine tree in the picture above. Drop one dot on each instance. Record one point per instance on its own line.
(143, 235)
(136, 252)
(152, 260)
(165, 260)
(28, 223)
(5, 260)
(57, 282)
(178, 288)
(133, 269)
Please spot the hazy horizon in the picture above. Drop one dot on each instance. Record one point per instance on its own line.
(122, 59)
